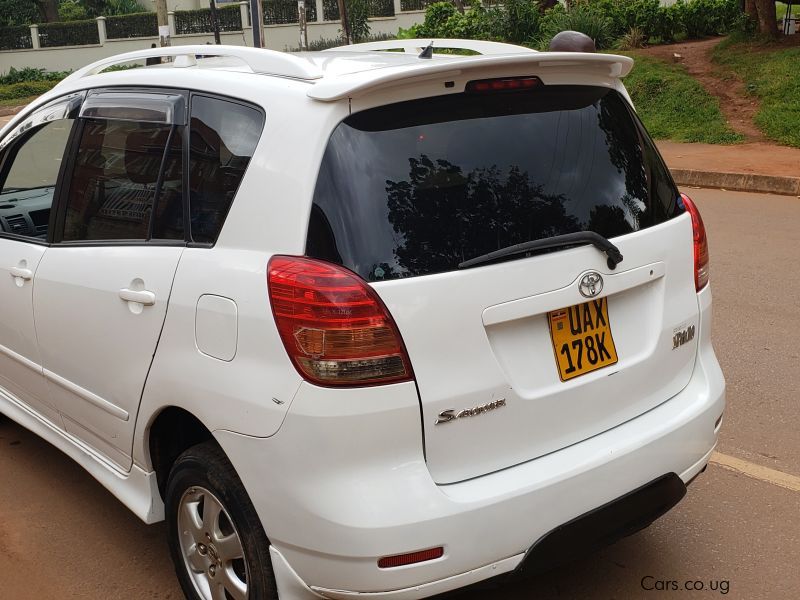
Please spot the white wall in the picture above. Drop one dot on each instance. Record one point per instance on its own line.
(278, 37)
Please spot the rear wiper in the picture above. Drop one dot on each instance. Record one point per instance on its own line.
(613, 254)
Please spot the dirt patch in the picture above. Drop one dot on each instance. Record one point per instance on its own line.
(10, 111)
(738, 108)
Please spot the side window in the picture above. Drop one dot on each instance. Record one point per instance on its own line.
(29, 169)
(222, 138)
(115, 180)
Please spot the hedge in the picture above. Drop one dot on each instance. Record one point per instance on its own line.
(415, 4)
(229, 18)
(25, 89)
(27, 74)
(281, 12)
(144, 24)
(16, 37)
(377, 8)
(74, 33)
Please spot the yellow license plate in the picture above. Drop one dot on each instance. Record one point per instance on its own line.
(581, 336)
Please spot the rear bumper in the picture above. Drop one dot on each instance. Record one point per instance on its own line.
(594, 530)
(337, 491)
(604, 525)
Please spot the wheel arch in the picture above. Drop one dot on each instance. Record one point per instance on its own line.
(170, 432)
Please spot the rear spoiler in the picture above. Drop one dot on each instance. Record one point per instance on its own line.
(362, 82)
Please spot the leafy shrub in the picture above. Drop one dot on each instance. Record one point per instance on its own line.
(436, 17)
(25, 89)
(670, 23)
(635, 38)
(517, 21)
(442, 20)
(585, 18)
(472, 24)
(29, 74)
(17, 12)
(624, 15)
(521, 21)
(72, 10)
(708, 17)
(121, 7)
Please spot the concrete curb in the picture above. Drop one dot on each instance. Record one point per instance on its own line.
(740, 182)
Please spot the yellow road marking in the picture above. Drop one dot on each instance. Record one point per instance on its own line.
(779, 478)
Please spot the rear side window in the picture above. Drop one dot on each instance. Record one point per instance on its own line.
(222, 138)
(417, 187)
(112, 193)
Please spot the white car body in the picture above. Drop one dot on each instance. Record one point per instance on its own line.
(343, 477)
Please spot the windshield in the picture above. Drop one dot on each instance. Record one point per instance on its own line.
(418, 187)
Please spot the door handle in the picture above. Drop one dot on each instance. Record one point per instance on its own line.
(144, 297)
(21, 272)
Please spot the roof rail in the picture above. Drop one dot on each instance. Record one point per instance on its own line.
(260, 61)
(418, 45)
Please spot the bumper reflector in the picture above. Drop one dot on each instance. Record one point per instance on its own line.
(401, 560)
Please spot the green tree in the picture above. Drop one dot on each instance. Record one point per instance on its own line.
(357, 15)
(767, 18)
(18, 12)
(72, 10)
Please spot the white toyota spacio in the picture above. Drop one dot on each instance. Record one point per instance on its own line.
(358, 323)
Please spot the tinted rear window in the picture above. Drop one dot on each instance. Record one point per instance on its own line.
(417, 187)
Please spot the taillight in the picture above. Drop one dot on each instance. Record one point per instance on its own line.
(334, 326)
(700, 244)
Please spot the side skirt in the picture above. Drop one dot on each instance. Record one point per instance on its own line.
(136, 489)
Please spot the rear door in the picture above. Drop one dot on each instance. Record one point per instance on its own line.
(101, 291)
(408, 192)
(30, 161)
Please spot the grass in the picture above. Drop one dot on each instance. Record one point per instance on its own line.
(674, 106)
(769, 73)
(17, 101)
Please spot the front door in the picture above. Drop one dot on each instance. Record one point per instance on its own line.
(30, 160)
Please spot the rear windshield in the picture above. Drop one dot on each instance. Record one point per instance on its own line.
(417, 187)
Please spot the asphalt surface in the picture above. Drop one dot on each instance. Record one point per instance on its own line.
(63, 536)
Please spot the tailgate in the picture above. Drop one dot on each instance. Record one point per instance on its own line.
(408, 193)
(482, 335)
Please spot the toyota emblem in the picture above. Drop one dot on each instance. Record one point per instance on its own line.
(591, 284)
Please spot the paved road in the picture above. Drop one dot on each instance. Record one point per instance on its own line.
(63, 536)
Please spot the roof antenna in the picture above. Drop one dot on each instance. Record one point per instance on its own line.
(427, 52)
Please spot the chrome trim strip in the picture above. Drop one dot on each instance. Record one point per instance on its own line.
(20, 359)
(91, 398)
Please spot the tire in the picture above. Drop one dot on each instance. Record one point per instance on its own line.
(203, 483)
